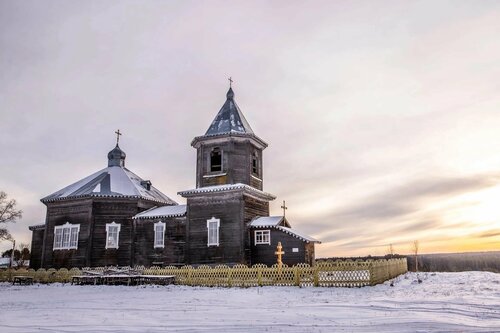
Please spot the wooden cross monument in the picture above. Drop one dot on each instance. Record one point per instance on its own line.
(279, 252)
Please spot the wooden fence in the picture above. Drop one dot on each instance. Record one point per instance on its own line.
(345, 273)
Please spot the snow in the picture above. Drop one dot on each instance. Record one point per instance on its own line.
(226, 187)
(444, 302)
(164, 211)
(111, 181)
(297, 234)
(266, 221)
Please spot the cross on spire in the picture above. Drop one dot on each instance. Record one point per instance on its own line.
(230, 81)
(117, 136)
(284, 207)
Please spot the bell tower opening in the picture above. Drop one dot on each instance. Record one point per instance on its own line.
(216, 160)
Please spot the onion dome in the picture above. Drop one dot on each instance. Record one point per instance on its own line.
(116, 157)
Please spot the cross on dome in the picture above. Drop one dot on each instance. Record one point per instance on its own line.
(118, 136)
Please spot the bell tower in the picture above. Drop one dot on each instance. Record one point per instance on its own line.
(229, 152)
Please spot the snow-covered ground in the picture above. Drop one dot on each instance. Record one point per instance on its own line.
(443, 302)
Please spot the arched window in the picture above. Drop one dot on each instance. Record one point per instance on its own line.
(255, 164)
(216, 160)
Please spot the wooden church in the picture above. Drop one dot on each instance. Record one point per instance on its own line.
(114, 217)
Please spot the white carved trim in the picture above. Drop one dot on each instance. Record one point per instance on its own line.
(262, 233)
(162, 245)
(211, 221)
(67, 226)
(119, 226)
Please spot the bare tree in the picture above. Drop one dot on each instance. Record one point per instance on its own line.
(24, 254)
(415, 252)
(8, 213)
(391, 250)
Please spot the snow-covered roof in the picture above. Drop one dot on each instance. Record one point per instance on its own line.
(113, 181)
(268, 221)
(227, 187)
(297, 234)
(164, 211)
(280, 223)
(229, 119)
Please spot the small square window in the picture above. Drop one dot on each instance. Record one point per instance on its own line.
(262, 237)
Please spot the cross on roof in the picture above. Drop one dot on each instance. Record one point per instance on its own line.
(118, 136)
(230, 81)
(284, 207)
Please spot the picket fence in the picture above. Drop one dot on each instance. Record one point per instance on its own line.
(339, 273)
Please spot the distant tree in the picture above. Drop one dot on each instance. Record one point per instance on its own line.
(8, 213)
(415, 253)
(21, 254)
(24, 254)
(391, 250)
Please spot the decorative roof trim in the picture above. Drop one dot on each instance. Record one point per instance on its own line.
(288, 231)
(281, 220)
(228, 187)
(141, 216)
(44, 200)
(36, 227)
(200, 138)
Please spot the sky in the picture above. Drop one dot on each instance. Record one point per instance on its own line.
(382, 117)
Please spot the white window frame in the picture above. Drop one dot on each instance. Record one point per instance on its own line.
(118, 228)
(158, 244)
(260, 237)
(213, 242)
(67, 238)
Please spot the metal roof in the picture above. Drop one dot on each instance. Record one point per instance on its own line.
(268, 221)
(228, 187)
(299, 235)
(114, 182)
(229, 119)
(164, 211)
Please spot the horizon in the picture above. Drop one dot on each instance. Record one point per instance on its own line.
(382, 119)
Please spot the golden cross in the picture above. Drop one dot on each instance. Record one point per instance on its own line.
(284, 208)
(117, 136)
(279, 253)
(230, 81)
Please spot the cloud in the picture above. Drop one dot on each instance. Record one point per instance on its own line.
(411, 197)
(489, 234)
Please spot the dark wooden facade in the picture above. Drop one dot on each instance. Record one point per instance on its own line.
(229, 188)
(237, 153)
(36, 246)
(296, 250)
(173, 252)
(92, 214)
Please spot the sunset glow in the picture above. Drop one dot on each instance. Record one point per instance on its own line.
(382, 118)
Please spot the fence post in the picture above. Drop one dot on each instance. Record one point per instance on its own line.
(316, 276)
(372, 273)
(189, 277)
(259, 276)
(297, 276)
